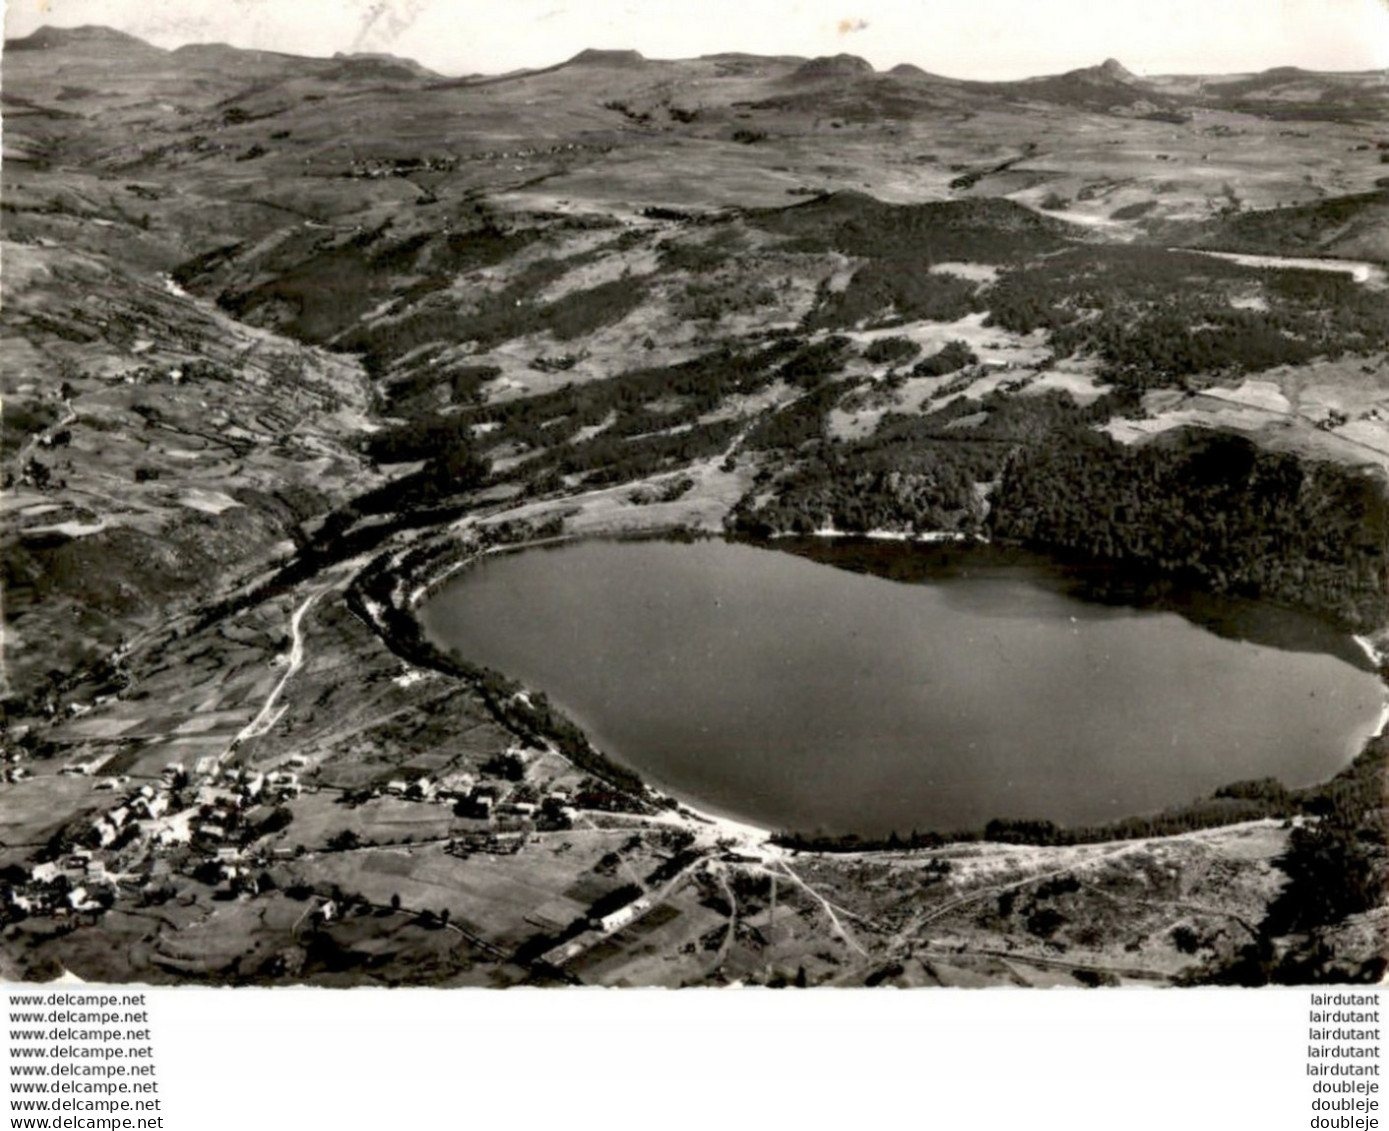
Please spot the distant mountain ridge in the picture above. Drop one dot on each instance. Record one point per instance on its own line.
(1110, 71)
(48, 37)
(843, 65)
(842, 86)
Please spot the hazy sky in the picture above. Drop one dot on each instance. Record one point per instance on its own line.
(966, 38)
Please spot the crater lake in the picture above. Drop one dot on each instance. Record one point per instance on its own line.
(912, 688)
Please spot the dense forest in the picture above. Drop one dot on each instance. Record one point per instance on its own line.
(915, 473)
(1209, 509)
(1337, 865)
(897, 289)
(1160, 318)
(638, 423)
(986, 230)
(1299, 229)
(1212, 509)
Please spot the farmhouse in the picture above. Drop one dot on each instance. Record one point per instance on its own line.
(623, 915)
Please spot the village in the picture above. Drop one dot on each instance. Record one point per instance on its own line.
(225, 826)
(224, 829)
(374, 168)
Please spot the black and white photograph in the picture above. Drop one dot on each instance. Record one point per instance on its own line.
(695, 495)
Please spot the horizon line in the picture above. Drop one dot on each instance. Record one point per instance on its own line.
(522, 71)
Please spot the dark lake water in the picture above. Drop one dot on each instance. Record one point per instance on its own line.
(914, 688)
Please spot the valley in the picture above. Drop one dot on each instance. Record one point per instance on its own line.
(288, 342)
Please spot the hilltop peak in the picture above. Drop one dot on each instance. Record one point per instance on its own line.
(1113, 69)
(595, 57)
(48, 37)
(834, 66)
(377, 66)
(912, 71)
(1110, 73)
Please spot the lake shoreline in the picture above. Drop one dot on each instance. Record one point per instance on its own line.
(448, 562)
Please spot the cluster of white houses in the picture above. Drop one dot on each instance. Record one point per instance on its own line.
(161, 814)
(199, 820)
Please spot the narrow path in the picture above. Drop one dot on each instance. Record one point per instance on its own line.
(923, 918)
(1290, 414)
(46, 436)
(1141, 973)
(732, 931)
(1172, 904)
(839, 928)
(267, 717)
(309, 909)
